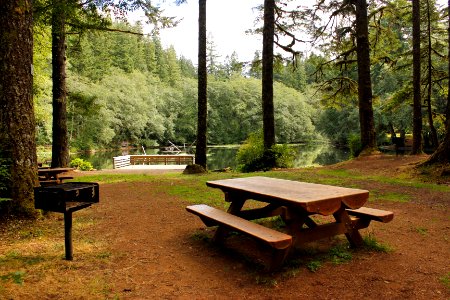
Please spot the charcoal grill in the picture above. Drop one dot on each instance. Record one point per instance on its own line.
(66, 198)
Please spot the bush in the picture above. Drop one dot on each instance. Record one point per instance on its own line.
(252, 157)
(81, 164)
(354, 143)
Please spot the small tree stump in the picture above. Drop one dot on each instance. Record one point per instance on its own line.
(194, 169)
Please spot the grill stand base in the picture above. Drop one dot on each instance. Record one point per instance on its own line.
(68, 227)
(68, 235)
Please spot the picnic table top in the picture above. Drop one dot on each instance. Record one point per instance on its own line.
(311, 197)
(54, 170)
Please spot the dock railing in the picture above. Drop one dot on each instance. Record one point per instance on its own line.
(130, 160)
(121, 161)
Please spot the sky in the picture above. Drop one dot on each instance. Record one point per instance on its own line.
(226, 23)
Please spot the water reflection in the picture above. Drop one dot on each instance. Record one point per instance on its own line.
(223, 157)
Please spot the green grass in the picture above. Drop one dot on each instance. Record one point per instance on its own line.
(314, 265)
(371, 244)
(200, 236)
(16, 277)
(421, 230)
(445, 280)
(340, 254)
(392, 197)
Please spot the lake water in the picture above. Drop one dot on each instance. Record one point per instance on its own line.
(222, 157)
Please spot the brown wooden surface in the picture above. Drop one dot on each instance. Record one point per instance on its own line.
(46, 174)
(372, 213)
(166, 159)
(275, 239)
(313, 198)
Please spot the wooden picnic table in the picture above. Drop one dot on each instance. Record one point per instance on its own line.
(53, 175)
(295, 202)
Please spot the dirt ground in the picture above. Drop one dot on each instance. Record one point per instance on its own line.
(154, 253)
(155, 256)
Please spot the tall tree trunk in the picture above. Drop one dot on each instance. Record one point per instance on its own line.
(60, 145)
(366, 120)
(200, 151)
(417, 103)
(17, 123)
(267, 74)
(442, 153)
(434, 136)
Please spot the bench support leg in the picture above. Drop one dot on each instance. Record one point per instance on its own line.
(351, 232)
(278, 258)
(234, 209)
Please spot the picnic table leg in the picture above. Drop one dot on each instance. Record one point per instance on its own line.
(295, 219)
(352, 233)
(234, 209)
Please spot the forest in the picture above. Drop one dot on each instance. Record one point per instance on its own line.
(126, 87)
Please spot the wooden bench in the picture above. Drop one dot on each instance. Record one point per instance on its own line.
(372, 214)
(278, 241)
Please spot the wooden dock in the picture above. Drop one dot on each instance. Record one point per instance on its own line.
(178, 160)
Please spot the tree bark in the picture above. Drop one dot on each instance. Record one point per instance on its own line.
(417, 102)
(366, 119)
(433, 132)
(60, 144)
(442, 153)
(200, 151)
(17, 123)
(267, 74)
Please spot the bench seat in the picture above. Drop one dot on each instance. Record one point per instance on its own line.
(280, 242)
(61, 178)
(48, 182)
(372, 214)
(275, 239)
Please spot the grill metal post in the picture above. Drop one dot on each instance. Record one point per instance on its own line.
(68, 235)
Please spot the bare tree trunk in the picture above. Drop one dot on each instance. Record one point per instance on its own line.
(17, 123)
(417, 105)
(267, 74)
(60, 144)
(200, 151)
(366, 120)
(442, 153)
(434, 136)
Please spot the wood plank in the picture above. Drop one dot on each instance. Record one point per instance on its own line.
(275, 239)
(313, 198)
(372, 214)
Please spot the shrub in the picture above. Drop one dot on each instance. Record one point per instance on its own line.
(81, 164)
(354, 143)
(252, 157)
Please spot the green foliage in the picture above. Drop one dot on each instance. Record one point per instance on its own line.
(81, 164)
(338, 123)
(314, 265)
(252, 157)
(371, 244)
(445, 280)
(340, 254)
(354, 144)
(16, 277)
(124, 87)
